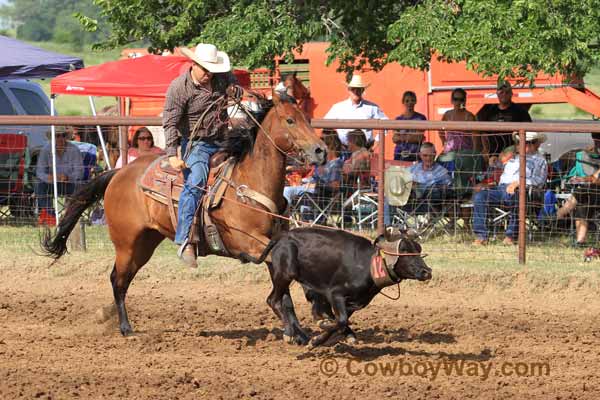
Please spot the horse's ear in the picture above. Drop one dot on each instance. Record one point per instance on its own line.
(276, 98)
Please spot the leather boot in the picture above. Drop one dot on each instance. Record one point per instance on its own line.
(187, 254)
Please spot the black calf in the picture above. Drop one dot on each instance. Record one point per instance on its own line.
(341, 273)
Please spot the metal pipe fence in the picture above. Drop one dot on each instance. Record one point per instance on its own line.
(353, 204)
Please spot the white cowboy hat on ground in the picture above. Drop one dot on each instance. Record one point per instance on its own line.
(531, 136)
(398, 184)
(357, 82)
(208, 57)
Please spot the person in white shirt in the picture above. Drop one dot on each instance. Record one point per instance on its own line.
(355, 107)
(536, 171)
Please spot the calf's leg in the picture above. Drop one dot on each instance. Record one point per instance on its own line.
(282, 270)
(338, 303)
(321, 310)
(298, 335)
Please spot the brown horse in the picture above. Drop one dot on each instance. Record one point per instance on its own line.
(137, 224)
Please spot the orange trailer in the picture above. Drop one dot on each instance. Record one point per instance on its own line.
(433, 88)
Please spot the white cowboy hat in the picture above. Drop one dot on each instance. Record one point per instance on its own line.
(531, 136)
(398, 184)
(208, 57)
(357, 82)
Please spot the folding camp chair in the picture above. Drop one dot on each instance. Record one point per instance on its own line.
(13, 164)
(321, 206)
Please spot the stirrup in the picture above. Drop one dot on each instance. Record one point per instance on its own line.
(182, 248)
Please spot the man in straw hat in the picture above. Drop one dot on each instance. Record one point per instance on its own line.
(536, 171)
(193, 95)
(355, 107)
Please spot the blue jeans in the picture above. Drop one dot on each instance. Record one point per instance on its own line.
(44, 192)
(481, 202)
(195, 175)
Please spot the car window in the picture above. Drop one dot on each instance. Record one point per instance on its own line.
(6, 108)
(31, 102)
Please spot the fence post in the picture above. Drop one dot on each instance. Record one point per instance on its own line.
(522, 196)
(381, 184)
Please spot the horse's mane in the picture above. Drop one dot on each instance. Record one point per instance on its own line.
(239, 141)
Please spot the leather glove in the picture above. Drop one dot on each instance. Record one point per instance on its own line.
(176, 163)
(235, 92)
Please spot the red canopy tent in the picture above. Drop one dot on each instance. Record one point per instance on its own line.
(147, 76)
(142, 80)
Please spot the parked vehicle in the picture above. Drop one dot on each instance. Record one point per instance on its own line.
(20, 146)
(22, 97)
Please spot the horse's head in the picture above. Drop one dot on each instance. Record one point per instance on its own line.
(291, 132)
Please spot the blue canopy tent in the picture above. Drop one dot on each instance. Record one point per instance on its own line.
(24, 61)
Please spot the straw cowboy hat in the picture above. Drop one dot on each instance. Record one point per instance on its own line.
(398, 184)
(208, 57)
(357, 82)
(531, 136)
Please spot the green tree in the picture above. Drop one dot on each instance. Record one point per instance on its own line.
(508, 37)
(53, 20)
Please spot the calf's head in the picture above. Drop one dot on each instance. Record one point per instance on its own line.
(403, 253)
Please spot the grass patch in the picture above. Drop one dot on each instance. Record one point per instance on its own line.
(552, 265)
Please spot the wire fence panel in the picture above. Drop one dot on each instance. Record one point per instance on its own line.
(456, 201)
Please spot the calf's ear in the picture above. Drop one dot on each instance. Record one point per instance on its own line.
(411, 234)
(392, 234)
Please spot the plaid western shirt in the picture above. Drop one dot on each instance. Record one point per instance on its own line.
(184, 105)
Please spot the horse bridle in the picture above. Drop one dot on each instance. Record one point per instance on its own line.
(293, 146)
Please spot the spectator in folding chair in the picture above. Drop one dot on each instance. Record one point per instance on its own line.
(431, 181)
(584, 178)
(325, 177)
(356, 179)
(142, 144)
(325, 182)
(536, 171)
(69, 172)
(358, 166)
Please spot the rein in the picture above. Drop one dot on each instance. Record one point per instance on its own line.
(284, 218)
(285, 153)
(390, 297)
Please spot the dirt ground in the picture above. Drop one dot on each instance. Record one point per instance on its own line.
(216, 338)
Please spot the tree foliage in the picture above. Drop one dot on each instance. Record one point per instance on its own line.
(508, 37)
(53, 20)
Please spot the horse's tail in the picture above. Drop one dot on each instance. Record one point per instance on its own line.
(245, 257)
(55, 246)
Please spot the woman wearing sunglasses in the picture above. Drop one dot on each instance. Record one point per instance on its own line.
(142, 144)
(457, 141)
